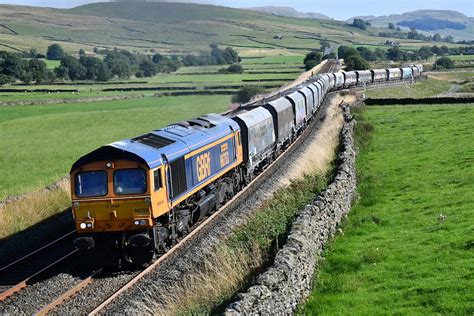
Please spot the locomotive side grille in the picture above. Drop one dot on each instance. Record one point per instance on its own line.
(153, 140)
(178, 177)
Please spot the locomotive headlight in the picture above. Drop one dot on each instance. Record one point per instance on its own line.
(109, 164)
(140, 222)
(75, 204)
(83, 226)
(89, 225)
(136, 223)
(147, 201)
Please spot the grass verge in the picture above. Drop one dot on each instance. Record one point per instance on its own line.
(407, 245)
(421, 89)
(32, 209)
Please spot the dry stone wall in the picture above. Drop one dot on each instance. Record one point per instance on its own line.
(288, 281)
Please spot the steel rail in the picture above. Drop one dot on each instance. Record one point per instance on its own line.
(68, 294)
(21, 285)
(176, 247)
(10, 290)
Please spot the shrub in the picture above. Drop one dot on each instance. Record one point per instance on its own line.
(246, 93)
(444, 62)
(232, 69)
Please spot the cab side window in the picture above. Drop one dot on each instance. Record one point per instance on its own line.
(157, 179)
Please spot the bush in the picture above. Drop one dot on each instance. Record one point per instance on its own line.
(232, 69)
(246, 93)
(444, 63)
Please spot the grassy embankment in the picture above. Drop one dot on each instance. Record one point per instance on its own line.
(421, 89)
(407, 245)
(40, 143)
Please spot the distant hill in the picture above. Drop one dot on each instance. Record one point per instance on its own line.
(290, 12)
(445, 22)
(161, 12)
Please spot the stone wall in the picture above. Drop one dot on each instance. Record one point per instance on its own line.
(288, 281)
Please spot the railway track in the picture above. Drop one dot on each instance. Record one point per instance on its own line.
(19, 274)
(242, 194)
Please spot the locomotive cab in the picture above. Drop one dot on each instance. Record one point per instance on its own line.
(114, 203)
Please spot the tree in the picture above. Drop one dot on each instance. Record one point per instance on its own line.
(55, 52)
(96, 50)
(147, 67)
(346, 51)
(82, 52)
(395, 53)
(230, 56)
(216, 54)
(38, 71)
(425, 52)
(360, 24)
(103, 73)
(71, 68)
(157, 58)
(312, 59)
(366, 53)
(437, 37)
(444, 62)
(379, 53)
(91, 65)
(356, 62)
(391, 26)
(246, 93)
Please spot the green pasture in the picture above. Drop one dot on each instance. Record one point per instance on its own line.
(407, 245)
(421, 89)
(40, 143)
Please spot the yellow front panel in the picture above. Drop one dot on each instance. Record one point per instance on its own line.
(112, 214)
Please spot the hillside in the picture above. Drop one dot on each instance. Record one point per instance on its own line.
(172, 28)
(290, 12)
(445, 22)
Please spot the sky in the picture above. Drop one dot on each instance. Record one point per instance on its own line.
(340, 9)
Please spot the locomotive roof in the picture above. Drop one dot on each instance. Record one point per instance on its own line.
(173, 141)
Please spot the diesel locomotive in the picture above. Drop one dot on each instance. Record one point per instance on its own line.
(135, 198)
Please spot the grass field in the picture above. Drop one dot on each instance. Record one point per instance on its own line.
(408, 242)
(40, 143)
(421, 89)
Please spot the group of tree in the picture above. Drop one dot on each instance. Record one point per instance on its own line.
(352, 58)
(360, 24)
(27, 67)
(216, 56)
(14, 67)
(414, 34)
